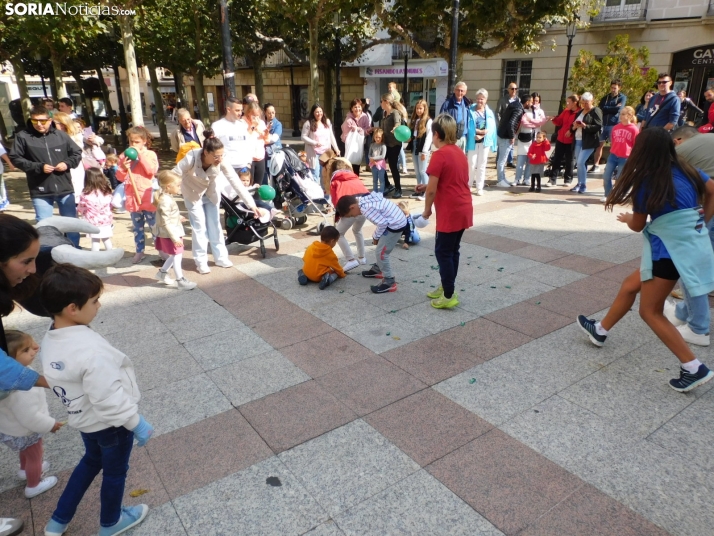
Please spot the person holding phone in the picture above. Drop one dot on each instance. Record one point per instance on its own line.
(586, 127)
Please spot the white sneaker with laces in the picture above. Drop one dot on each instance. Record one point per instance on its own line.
(164, 277)
(45, 484)
(693, 338)
(203, 269)
(501, 184)
(479, 192)
(185, 284)
(22, 475)
(362, 260)
(351, 264)
(224, 263)
(669, 308)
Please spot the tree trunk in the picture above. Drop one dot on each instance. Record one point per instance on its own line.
(87, 109)
(258, 75)
(19, 70)
(3, 129)
(105, 91)
(159, 105)
(120, 99)
(132, 70)
(314, 71)
(59, 89)
(328, 107)
(200, 95)
(181, 97)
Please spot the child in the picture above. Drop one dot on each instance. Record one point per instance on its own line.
(25, 417)
(538, 158)
(169, 230)
(377, 156)
(411, 235)
(320, 262)
(95, 206)
(623, 138)
(138, 201)
(244, 174)
(110, 170)
(391, 223)
(97, 385)
(345, 182)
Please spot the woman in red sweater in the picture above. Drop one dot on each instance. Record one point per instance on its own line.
(564, 142)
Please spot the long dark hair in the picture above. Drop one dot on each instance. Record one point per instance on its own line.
(649, 166)
(313, 121)
(94, 180)
(16, 236)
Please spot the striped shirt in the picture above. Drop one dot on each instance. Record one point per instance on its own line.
(381, 212)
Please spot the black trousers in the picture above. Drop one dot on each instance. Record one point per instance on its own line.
(355, 169)
(563, 155)
(446, 251)
(393, 161)
(257, 171)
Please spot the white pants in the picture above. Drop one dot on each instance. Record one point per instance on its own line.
(477, 165)
(342, 226)
(206, 228)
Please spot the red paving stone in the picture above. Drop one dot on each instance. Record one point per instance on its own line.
(502, 244)
(617, 274)
(594, 286)
(539, 253)
(570, 304)
(529, 319)
(284, 330)
(484, 339)
(14, 504)
(584, 265)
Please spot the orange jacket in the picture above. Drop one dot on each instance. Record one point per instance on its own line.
(318, 260)
(143, 170)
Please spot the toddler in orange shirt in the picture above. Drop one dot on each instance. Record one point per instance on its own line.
(320, 263)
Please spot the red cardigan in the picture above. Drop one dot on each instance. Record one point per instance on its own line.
(564, 121)
(536, 152)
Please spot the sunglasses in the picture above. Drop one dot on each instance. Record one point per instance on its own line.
(660, 82)
(512, 88)
(40, 121)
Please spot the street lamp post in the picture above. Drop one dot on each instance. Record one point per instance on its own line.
(229, 80)
(38, 59)
(570, 30)
(295, 99)
(405, 91)
(454, 45)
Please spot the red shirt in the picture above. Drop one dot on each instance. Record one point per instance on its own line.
(536, 152)
(564, 121)
(622, 139)
(454, 210)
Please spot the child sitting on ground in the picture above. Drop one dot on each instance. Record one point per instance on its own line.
(538, 158)
(25, 418)
(391, 223)
(411, 234)
(320, 263)
(97, 386)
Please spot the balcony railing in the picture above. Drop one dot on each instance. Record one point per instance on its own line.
(399, 50)
(623, 12)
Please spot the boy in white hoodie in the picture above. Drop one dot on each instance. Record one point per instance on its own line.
(97, 385)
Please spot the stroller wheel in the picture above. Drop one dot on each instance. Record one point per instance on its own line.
(286, 224)
(277, 245)
(262, 248)
(300, 220)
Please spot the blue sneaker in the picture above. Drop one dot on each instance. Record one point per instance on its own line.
(54, 528)
(688, 381)
(130, 517)
(588, 326)
(582, 189)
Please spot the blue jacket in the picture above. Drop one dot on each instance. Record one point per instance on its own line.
(276, 128)
(668, 110)
(611, 107)
(490, 140)
(14, 376)
(687, 241)
(451, 107)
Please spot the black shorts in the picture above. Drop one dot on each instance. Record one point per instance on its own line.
(665, 269)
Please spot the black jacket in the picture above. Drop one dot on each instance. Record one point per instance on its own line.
(510, 120)
(611, 108)
(33, 150)
(592, 128)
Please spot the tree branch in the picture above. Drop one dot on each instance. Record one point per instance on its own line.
(280, 42)
(399, 30)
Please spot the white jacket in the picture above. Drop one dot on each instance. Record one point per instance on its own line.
(94, 380)
(24, 413)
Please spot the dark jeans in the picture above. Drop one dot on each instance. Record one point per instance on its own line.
(355, 169)
(107, 451)
(447, 255)
(563, 155)
(393, 161)
(257, 171)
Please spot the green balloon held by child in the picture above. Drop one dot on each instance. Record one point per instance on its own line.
(266, 192)
(131, 153)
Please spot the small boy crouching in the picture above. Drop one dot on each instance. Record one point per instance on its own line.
(320, 263)
(97, 386)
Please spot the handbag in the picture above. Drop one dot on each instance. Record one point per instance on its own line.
(354, 147)
(525, 137)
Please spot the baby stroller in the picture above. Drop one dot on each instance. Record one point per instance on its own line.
(243, 227)
(302, 196)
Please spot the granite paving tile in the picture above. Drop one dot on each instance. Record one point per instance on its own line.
(195, 302)
(428, 320)
(579, 263)
(407, 293)
(326, 353)
(343, 310)
(196, 326)
(570, 304)
(328, 528)
(225, 348)
(594, 286)
(618, 273)
(286, 330)
(538, 253)
(427, 425)
(369, 384)
(372, 333)
(15, 505)
(295, 415)
(419, 504)
(196, 455)
(173, 363)
(552, 275)
(483, 339)
(115, 319)
(502, 244)
(135, 342)
(160, 521)
(504, 481)
(348, 465)
(529, 319)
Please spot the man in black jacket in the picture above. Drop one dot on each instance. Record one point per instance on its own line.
(611, 105)
(46, 155)
(506, 132)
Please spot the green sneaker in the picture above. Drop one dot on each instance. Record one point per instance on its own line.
(434, 294)
(443, 302)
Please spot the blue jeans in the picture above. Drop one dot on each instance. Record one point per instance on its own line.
(612, 163)
(378, 176)
(316, 174)
(446, 251)
(420, 169)
(694, 310)
(523, 169)
(581, 156)
(403, 159)
(44, 207)
(138, 220)
(504, 146)
(108, 451)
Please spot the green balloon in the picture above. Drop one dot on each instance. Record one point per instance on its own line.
(266, 192)
(402, 133)
(131, 153)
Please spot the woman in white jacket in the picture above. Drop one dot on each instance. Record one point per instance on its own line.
(199, 170)
(318, 137)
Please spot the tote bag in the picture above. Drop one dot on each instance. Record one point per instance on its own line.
(354, 147)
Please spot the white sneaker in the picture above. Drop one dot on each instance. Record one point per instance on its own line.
(415, 195)
(164, 277)
(45, 484)
(224, 263)
(362, 260)
(479, 192)
(693, 338)
(669, 308)
(185, 284)
(203, 269)
(23, 476)
(603, 199)
(349, 265)
(501, 184)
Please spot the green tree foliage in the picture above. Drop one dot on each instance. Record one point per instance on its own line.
(622, 61)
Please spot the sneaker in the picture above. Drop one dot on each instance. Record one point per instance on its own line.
(383, 287)
(325, 281)
(588, 326)
(511, 165)
(594, 169)
(693, 338)
(54, 528)
(687, 381)
(668, 311)
(397, 194)
(44, 485)
(502, 184)
(302, 278)
(388, 190)
(603, 199)
(434, 294)
(130, 517)
(551, 182)
(224, 263)
(415, 195)
(576, 188)
(203, 269)
(520, 183)
(582, 189)
(10, 526)
(373, 272)
(362, 260)
(421, 198)
(538, 189)
(185, 284)
(137, 258)
(567, 183)
(23, 476)
(349, 265)
(164, 277)
(445, 303)
(532, 188)
(479, 192)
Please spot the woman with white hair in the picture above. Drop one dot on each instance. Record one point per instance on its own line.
(586, 128)
(480, 139)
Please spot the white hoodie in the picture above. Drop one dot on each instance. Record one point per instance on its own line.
(24, 413)
(94, 380)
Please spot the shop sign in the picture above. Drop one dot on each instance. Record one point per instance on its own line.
(703, 56)
(430, 69)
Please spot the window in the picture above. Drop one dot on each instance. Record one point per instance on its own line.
(519, 72)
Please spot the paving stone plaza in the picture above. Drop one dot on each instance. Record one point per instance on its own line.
(285, 410)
